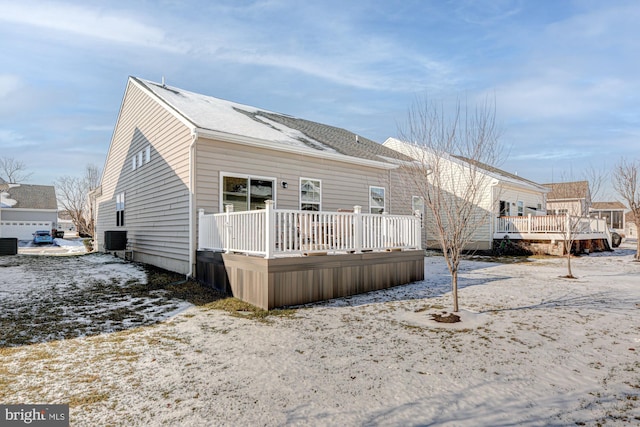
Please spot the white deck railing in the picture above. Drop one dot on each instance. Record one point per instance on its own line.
(531, 226)
(276, 232)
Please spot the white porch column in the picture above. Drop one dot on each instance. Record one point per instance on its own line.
(200, 229)
(270, 231)
(228, 209)
(357, 228)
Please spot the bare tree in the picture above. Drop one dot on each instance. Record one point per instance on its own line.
(625, 182)
(452, 152)
(13, 171)
(73, 196)
(571, 202)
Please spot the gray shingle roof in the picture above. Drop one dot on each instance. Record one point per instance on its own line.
(568, 190)
(207, 112)
(608, 206)
(29, 196)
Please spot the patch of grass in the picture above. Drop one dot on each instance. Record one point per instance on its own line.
(239, 308)
(87, 399)
(429, 307)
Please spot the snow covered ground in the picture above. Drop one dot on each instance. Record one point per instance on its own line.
(534, 349)
(43, 298)
(59, 247)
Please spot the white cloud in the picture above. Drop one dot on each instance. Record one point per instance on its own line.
(105, 24)
(9, 84)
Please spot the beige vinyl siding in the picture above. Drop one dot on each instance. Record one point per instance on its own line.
(343, 184)
(156, 193)
(513, 195)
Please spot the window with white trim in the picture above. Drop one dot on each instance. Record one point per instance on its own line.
(147, 154)
(120, 210)
(246, 193)
(310, 194)
(417, 207)
(520, 205)
(376, 199)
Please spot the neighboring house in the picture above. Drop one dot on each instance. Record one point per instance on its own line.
(505, 194)
(26, 208)
(612, 212)
(573, 198)
(631, 229)
(175, 152)
(65, 223)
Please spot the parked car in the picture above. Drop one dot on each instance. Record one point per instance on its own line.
(42, 236)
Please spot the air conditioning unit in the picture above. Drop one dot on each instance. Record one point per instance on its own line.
(115, 240)
(8, 246)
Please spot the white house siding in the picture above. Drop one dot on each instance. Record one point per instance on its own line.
(156, 193)
(574, 207)
(494, 189)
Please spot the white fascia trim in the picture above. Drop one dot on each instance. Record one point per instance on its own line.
(30, 210)
(164, 103)
(269, 145)
(521, 186)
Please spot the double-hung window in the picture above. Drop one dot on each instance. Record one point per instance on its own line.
(376, 200)
(310, 194)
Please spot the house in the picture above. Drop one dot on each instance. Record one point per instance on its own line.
(503, 194)
(573, 198)
(178, 158)
(631, 229)
(26, 208)
(612, 212)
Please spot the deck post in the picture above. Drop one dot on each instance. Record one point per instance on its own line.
(529, 223)
(228, 209)
(357, 228)
(200, 228)
(270, 229)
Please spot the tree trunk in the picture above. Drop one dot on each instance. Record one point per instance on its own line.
(637, 249)
(569, 274)
(454, 289)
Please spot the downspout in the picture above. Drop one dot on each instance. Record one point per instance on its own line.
(492, 223)
(192, 249)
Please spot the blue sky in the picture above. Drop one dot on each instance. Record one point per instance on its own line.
(565, 75)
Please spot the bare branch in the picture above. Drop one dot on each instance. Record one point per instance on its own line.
(13, 171)
(452, 150)
(73, 196)
(625, 182)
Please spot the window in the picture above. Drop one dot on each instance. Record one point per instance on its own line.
(504, 208)
(147, 154)
(133, 163)
(376, 200)
(520, 208)
(120, 210)
(246, 193)
(310, 194)
(140, 158)
(417, 207)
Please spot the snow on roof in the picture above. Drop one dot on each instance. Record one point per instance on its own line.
(504, 176)
(28, 196)
(208, 112)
